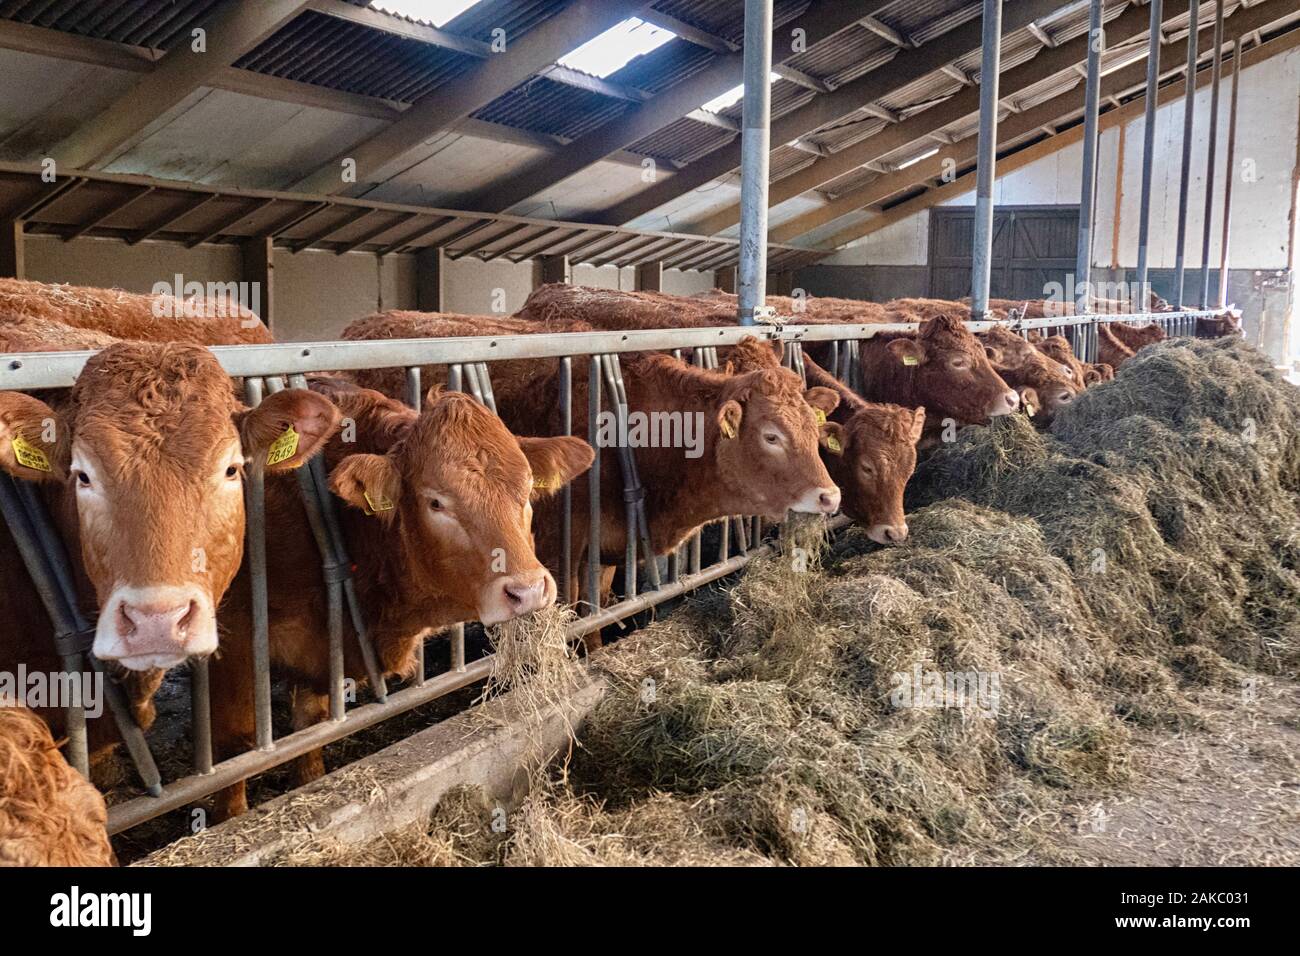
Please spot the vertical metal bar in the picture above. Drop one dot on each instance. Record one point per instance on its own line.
(485, 383)
(201, 715)
(986, 153)
(1088, 187)
(335, 602)
(1216, 76)
(415, 398)
(754, 156)
(1189, 122)
(455, 378)
(593, 485)
(1229, 173)
(458, 648)
(255, 508)
(43, 580)
(566, 508)
(1149, 146)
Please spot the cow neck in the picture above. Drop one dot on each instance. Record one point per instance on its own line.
(850, 403)
(681, 492)
(886, 380)
(396, 606)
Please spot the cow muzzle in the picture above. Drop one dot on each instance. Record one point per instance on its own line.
(888, 533)
(1005, 404)
(515, 595)
(818, 501)
(155, 628)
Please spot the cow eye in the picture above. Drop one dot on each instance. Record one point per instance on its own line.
(435, 504)
(232, 471)
(771, 438)
(83, 479)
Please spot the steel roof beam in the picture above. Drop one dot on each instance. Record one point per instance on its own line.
(385, 153)
(232, 30)
(823, 19)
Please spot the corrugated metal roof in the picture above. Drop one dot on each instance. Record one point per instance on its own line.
(148, 23)
(544, 106)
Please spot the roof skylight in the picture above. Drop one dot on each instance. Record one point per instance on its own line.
(731, 97)
(607, 53)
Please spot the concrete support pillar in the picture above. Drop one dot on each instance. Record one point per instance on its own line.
(258, 258)
(548, 269)
(724, 279)
(429, 277)
(650, 277)
(11, 249)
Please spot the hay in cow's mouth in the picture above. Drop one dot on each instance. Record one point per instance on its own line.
(533, 659)
(1105, 573)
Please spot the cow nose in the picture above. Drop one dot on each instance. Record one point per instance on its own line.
(523, 594)
(148, 628)
(888, 533)
(1005, 403)
(828, 502)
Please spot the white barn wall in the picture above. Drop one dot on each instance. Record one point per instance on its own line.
(1266, 137)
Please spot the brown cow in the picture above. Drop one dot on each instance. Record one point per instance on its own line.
(134, 317)
(1136, 337)
(876, 459)
(49, 814)
(1021, 365)
(1082, 374)
(142, 465)
(757, 439)
(958, 383)
(1110, 349)
(438, 530)
(941, 367)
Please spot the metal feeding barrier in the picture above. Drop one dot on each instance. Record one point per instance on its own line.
(265, 368)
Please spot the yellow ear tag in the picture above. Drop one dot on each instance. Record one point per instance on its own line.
(833, 444)
(727, 430)
(283, 448)
(1030, 410)
(910, 360)
(383, 504)
(545, 484)
(29, 456)
(820, 416)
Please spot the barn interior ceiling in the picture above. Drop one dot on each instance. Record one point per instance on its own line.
(605, 129)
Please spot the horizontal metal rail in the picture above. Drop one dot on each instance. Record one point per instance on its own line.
(29, 370)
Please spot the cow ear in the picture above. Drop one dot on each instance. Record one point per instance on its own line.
(907, 351)
(833, 437)
(288, 428)
(994, 354)
(1092, 375)
(729, 416)
(918, 426)
(825, 400)
(1029, 400)
(369, 482)
(34, 442)
(555, 461)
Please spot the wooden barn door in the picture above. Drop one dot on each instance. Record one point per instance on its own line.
(1032, 246)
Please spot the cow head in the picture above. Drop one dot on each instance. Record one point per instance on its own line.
(1021, 365)
(1098, 372)
(950, 374)
(151, 449)
(765, 428)
(455, 489)
(1057, 348)
(876, 458)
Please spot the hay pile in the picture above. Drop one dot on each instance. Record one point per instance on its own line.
(1057, 592)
